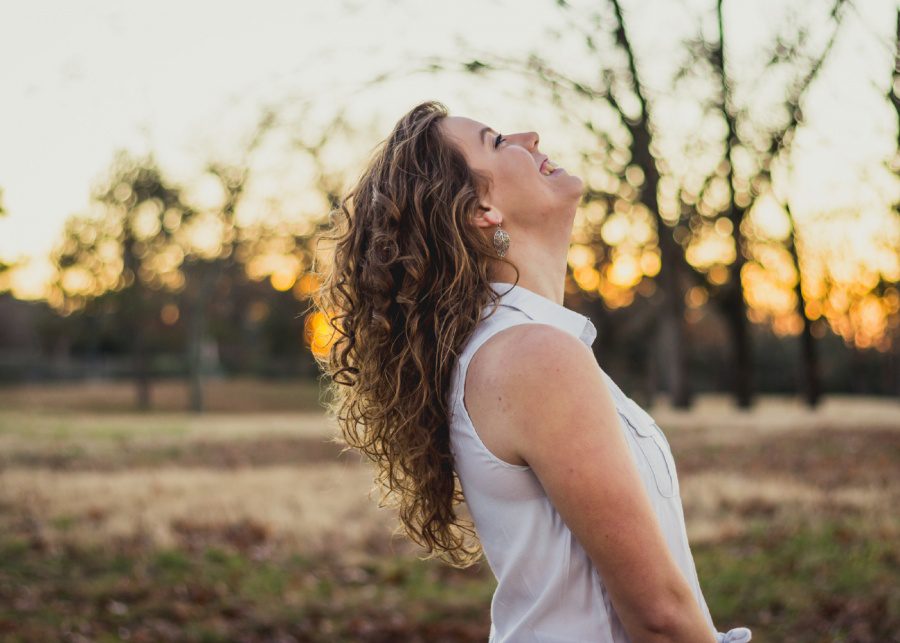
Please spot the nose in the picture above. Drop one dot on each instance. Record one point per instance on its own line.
(529, 140)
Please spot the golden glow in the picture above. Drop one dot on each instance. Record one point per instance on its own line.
(169, 314)
(587, 277)
(171, 220)
(173, 280)
(696, 296)
(319, 333)
(77, 281)
(813, 309)
(642, 231)
(594, 212)
(651, 262)
(769, 219)
(723, 227)
(892, 299)
(765, 292)
(306, 285)
(615, 228)
(789, 324)
(868, 318)
(145, 221)
(708, 247)
(620, 299)
(719, 275)
(282, 280)
(581, 255)
(282, 268)
(777, 262)
(205, 235)
(634, 175)
(842, 262)
(624, 272)
(841, 269)
(167, 260)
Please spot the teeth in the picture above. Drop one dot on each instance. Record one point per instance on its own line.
(549, 166)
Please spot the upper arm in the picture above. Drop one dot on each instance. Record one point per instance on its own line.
(568, 431)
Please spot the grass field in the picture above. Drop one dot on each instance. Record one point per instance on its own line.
(247, 525)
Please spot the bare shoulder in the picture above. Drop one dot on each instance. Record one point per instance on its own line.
(536, 339)
(526, 354)
(549, 373)
(498, 370)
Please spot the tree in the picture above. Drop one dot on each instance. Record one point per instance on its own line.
(126, 252)
(766, 145)
(682, 216)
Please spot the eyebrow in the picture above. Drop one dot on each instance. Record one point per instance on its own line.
(482, 132)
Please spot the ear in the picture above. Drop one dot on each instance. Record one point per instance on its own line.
(487, 217)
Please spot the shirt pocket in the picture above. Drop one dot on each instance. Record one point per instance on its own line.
(655, 449)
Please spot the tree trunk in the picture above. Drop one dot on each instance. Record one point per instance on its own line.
(672, 337)
(810, 385)
(141, 367)
(199, 298)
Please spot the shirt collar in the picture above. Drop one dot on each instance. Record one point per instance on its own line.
(540, 308)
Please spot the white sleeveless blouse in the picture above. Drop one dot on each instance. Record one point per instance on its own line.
(548, 590)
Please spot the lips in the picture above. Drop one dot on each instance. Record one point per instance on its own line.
(547, 164)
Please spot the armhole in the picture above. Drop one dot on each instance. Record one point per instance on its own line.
(461, 398)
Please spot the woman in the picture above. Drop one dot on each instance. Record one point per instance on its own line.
(454, 360)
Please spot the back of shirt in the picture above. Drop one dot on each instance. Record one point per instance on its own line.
(548, 590)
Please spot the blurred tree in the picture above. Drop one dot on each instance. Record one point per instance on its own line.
(893, 95)
(154, 266)
(687, 215)
(3, 265)
(750, 135)
(123, 255)
(699, 213)
(204, 270)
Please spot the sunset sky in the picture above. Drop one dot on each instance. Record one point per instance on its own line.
(186, 80)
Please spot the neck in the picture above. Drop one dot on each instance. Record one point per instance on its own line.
(542, 268)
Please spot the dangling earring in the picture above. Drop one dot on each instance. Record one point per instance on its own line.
(501, 241)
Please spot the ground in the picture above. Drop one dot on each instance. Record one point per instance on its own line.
(247, 524)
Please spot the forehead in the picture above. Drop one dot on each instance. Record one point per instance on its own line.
(466, 130)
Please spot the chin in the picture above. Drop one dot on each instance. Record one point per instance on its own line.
(577, 185)
(576, 179)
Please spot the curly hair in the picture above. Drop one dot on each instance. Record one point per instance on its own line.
(403, 291)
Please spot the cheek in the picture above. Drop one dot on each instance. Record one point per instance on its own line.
(527, 182)
(519, 187)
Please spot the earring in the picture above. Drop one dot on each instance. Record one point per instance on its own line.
(501, 241)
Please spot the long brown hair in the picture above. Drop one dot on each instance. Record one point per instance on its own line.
(405, 287)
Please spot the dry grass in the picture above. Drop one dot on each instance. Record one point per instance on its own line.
(90, 476)
(717, 504)
(311, 508)
(812, 493)
(231, 395)
(325, 505)
(715, 420)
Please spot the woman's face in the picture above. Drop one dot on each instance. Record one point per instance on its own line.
(521, 197)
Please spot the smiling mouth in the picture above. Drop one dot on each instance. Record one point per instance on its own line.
(548, 167)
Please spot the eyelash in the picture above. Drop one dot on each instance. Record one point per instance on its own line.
(498, 140)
